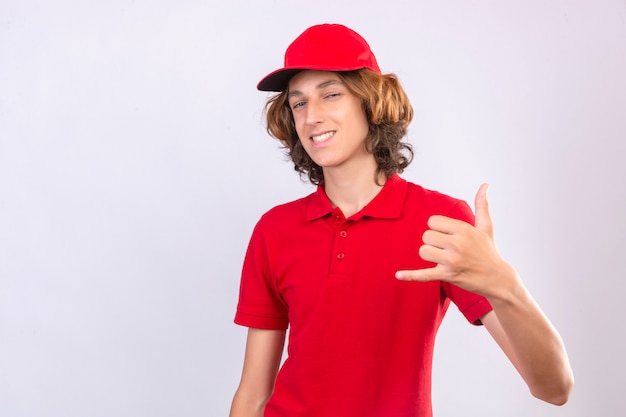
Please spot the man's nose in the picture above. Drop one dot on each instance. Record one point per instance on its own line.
(314, 113)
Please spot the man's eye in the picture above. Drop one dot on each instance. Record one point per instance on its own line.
(297, 104)
(332, 95)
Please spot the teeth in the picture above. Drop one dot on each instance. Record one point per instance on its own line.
(322, 137)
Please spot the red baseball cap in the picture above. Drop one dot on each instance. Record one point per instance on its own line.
(325, 47)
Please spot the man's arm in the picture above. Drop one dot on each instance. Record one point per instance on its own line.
(534, 347)
(264, 349)
(466, 256)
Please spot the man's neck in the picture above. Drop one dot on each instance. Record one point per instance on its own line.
(352, 189)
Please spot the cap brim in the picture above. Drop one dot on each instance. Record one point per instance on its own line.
(278, 80)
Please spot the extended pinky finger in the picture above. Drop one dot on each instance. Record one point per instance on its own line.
(420, 275)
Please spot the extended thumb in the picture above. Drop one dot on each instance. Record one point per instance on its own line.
(481, 206)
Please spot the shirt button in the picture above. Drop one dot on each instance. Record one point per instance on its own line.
(343, 233)
(341, 255)
(338, 218)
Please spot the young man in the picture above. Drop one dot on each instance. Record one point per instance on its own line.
(362, 271)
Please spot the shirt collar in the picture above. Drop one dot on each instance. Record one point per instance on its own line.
(387, 204)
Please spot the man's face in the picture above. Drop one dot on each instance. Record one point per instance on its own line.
(329, 119)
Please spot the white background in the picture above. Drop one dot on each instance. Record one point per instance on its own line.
(134, 164)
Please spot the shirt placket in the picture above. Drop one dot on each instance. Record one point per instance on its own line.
(340, 257)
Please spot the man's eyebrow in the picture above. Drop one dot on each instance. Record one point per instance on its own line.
(325, 84)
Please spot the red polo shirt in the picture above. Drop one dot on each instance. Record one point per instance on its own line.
(360, 341)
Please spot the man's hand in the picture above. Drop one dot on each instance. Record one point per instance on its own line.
(465, 255)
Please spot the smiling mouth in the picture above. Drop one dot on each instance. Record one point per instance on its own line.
(322, 137)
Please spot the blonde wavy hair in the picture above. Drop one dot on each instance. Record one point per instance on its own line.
(388, 112)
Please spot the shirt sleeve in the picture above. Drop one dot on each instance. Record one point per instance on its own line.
(471, 305)
(260, 303)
